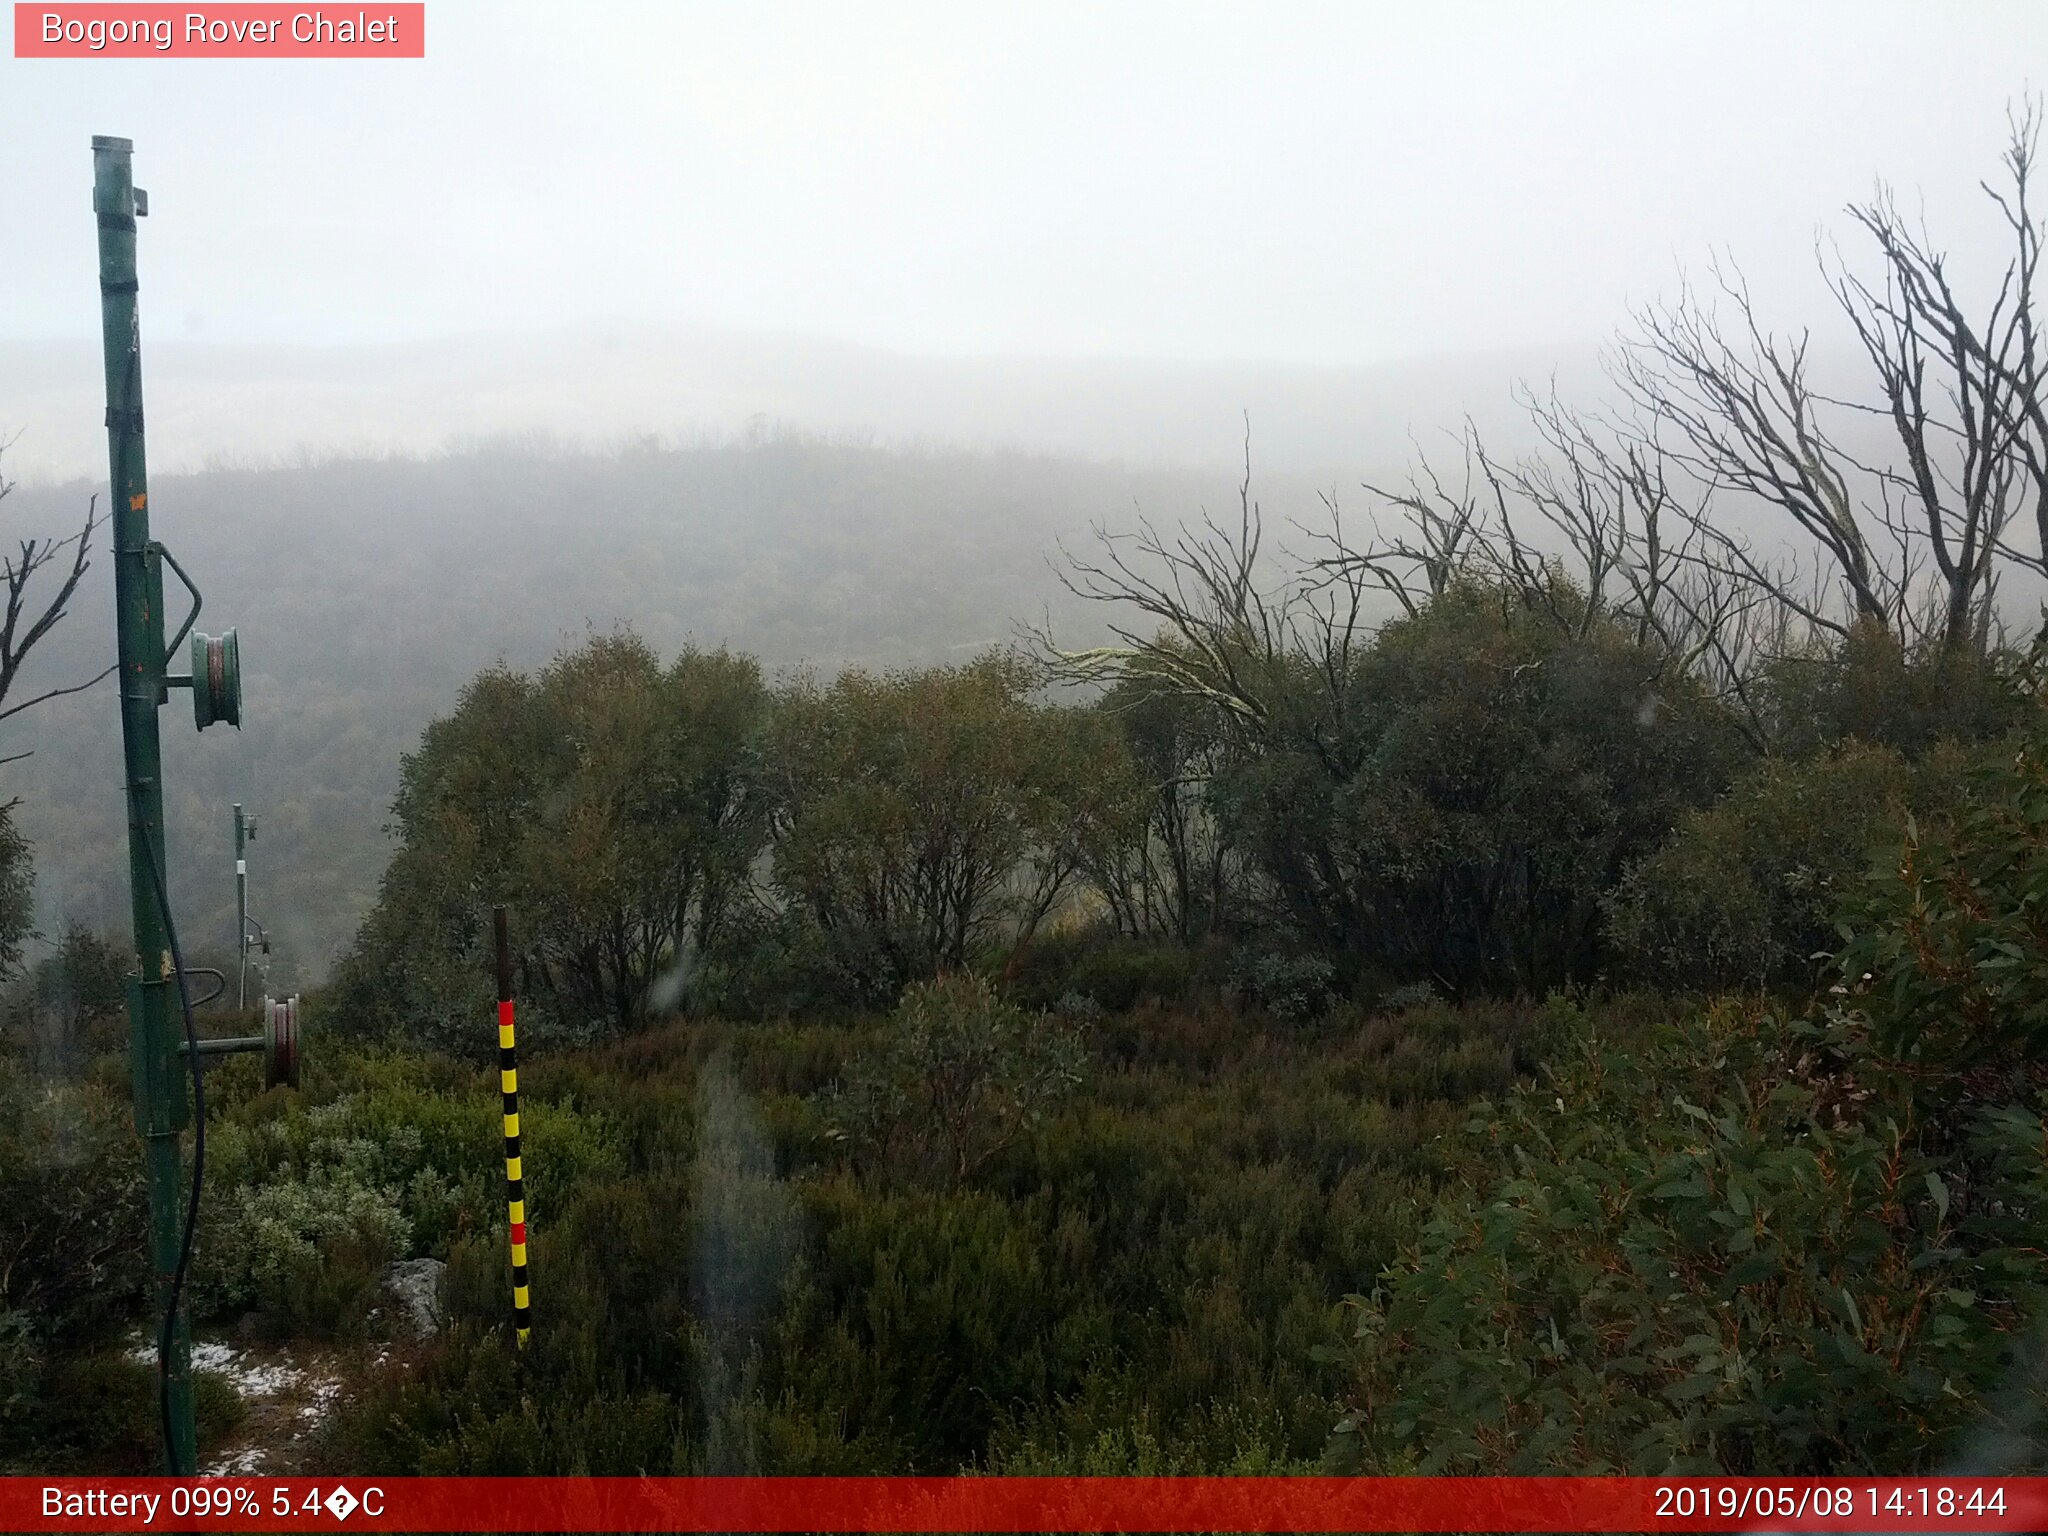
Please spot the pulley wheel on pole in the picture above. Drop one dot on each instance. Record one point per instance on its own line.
(217, 679)
(281, 1042)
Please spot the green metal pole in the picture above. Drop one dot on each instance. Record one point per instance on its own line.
(162, 1104)
(241, 915)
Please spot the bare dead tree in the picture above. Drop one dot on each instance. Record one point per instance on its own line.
(1975, 439)
(1644, 555)
(1598, 527)
(1210, 623)
(1628, 519)
(1446, 536)
(1914, 543)
(27, 620)
(1747, 419)
(2025, 370)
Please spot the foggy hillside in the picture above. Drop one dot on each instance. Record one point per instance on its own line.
(379, 522)
(367, 591)
(510, 504)
(598, 384)
(1520, 952)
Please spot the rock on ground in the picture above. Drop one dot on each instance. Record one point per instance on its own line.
(416, 1284)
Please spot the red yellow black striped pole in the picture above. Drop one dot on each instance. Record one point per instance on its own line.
(515, 1180)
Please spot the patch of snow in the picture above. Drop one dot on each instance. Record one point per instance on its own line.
(251, 1378)
(324, 1394)
(241, 1464)
(309, 1394)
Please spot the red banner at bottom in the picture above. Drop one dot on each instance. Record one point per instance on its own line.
(924, 1504)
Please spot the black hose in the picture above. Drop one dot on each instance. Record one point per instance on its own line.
(193, 1058)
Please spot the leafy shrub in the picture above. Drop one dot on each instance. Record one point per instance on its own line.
(851, 963)
(774, 964)
(931, 1314)
(1455, 800)
(1122, 1438)
(17, 893)
(101, 1411)
(1945, 948)
(71, 1203)
(1722, 1246)
(606, 800)
(470, 1408)
(1113, 972)
(217, 1407)
(1745, 891)
(46, 1016)
(1076, 1008)
(72, 1236)
(1139, 1283)
(87, 977)
(961, 1075)
(1411, 994)
(401, 1164)
(1291, 987)
(922, 814)
(1871, 689)
(306, 1253)
(98, 1413)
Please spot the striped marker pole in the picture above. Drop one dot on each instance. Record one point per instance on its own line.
(515, 1181)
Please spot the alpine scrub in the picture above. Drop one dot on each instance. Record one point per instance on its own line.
(1736, 1246)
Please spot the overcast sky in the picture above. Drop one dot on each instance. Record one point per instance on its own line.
(1321, 184)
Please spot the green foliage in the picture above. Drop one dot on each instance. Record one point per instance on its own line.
(798, 549)
(396, 1168)
(1945, 948)
(306, 1253)
(17, 892)
(101, 1412)
(1110, 972)
(1454, 805)
(921, 814)
(87, 977)
(1870, 689)
(1288, 986)
(70, 1207)
(309, 1201)
(1230, 1442)
(951, 1307)
(1152, 1268)
(960, 1075)
(1730, 1243)
(620, 809)
(100, 1415)
(1164, 867)
(72, 1256)
(1724, 1246)
(48, 1014)
(1745, 891)
(608, 802)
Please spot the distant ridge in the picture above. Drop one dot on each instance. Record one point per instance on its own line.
(599, 384)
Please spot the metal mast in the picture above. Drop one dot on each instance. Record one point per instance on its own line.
(245, 828)
(162, 1107)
